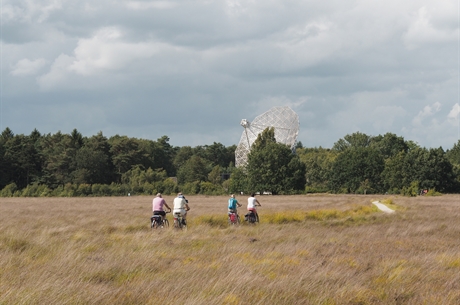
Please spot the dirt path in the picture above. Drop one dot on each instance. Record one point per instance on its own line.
(383, 207)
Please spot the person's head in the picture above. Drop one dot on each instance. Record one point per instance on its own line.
(180, 195)
(253, 195)
(159, 195)
(232, 195)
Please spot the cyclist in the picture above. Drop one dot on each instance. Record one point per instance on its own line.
(233, 204)
(252, 203)
(181, 207)
(157, 206)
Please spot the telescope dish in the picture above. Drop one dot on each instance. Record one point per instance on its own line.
(285, 122)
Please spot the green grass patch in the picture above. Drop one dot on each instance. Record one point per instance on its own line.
(16, 244)
(215, 221)
(284, 217)
(391, 204)
(353, 215)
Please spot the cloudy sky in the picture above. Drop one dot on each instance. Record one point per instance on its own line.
(192, 69)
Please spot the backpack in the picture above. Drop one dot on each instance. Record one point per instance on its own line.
(232, 203)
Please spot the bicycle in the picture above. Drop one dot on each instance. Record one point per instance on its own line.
(158, 221)
(179, 222)
(233, 218)
(251, 217)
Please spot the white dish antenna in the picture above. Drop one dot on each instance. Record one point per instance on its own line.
(283, 119)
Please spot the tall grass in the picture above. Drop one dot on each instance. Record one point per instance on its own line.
(306, 250)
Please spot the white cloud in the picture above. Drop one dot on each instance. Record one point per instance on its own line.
(423, 31)
(453, 115)
(107, 51)
(28, 67)
(104, 52)
(30, 11)
(58, 74)
(143, 5)
(427, 112)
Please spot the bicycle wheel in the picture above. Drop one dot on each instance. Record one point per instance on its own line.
(234, 219)
(177, 223)
(252, 218)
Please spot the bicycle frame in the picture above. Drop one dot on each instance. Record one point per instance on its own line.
(252, 217)
(233, 218)
(178, 219)
(157, 221)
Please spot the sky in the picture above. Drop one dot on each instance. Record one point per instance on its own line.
(193, 69)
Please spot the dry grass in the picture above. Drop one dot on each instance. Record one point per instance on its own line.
(313, 249)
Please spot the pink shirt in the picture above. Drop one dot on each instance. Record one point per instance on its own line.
(158, 203)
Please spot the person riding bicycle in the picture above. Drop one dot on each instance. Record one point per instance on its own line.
(252, 203)
(158, 204)
(181, 207)
(233, 204)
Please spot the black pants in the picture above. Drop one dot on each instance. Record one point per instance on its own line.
(162, 213)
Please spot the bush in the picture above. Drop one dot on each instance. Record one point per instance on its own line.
(83, 190)
(149, 189)
(9, 190)
(103, 189)
(168, 186)
(316, 189)
(433, 192)
(208, 188)
(412, 190)
(32, 190)
(191, 188)
(70, 190)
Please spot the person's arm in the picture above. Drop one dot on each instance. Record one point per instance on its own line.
(239, 204)
(166, 205)
(258, 203)
(187, 208)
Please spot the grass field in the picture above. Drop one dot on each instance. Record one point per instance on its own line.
(312, 249)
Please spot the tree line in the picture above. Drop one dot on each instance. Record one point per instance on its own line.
(73, 165)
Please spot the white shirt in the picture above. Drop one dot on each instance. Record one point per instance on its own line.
(252, 203)
(179, 204)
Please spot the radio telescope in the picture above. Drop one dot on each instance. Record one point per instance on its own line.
(283, 119)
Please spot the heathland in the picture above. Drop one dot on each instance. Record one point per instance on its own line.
(307, 249)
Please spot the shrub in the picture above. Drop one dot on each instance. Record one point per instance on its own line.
(168, 186)
(433, 192)
(9, 190)
(70, 190)
(316, 189)
(102, 189)
(208, 188)
(83, 190)
(192, 188)
(411, 190)
(32, 190)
